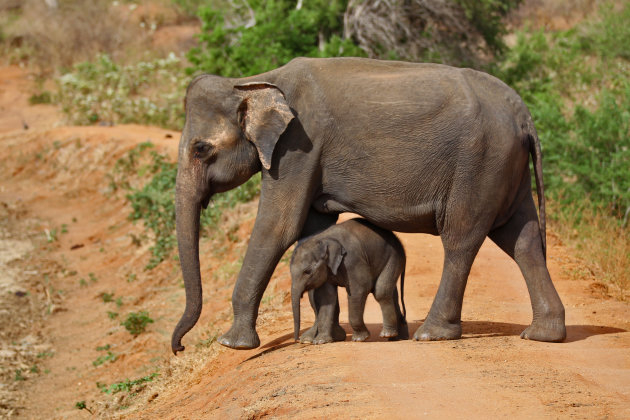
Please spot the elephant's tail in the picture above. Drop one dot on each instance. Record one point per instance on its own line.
(536, 152)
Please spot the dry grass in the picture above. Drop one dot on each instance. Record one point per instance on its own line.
(600, 241)
(75, 31)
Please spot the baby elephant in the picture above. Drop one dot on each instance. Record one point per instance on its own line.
(364, 259)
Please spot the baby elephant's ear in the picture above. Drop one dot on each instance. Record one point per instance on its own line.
(335, 253)
(263, 116)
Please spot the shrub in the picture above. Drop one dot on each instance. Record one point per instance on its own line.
(271, 35)
(154, 202)
(581, 110)
(147, 92)
(577, 86)
(136, 323)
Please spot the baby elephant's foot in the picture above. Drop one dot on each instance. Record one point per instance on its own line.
(360, 335)
(389, 332)
(338, 333)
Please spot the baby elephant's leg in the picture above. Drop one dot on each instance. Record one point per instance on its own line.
(387, 296)
(309, 335)
(327, 322)
(356, 307)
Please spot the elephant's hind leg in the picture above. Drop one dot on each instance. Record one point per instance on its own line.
(461, 239)
(520, 238)
(444, 319)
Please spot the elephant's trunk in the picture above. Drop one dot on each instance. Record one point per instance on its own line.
(188, 210)
(296, 295)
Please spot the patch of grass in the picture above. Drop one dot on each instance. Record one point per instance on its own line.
(45, 354)
(107, 297)
(598, 241)
(112, 315)
(51, 235)
(130, 386)
(80, 405)
(208, 341)
(136, 323)
(147, 92)
(109, 357)
(44, 97)
(75, 30)
(154, 203)
(18, 375)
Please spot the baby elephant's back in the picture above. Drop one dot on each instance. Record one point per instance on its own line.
(377, 243)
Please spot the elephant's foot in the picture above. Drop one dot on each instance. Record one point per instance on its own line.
(240, 338)
(360, 335)
(309, 335)
(389, 332)
(433, 331)
(337, 334)
(552, 330)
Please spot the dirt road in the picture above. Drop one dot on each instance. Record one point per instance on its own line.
(56, 177)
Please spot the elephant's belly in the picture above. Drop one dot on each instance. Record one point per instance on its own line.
(419, 218)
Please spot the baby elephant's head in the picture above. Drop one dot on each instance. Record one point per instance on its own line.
(313, 261)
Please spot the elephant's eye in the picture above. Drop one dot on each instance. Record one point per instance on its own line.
(308, 271)
(201, 148)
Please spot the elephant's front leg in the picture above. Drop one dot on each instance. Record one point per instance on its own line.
(274, 232)
(260, 260)
(326, 328)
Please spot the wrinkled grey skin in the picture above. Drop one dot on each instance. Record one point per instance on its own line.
(410, 147)
(362, 258)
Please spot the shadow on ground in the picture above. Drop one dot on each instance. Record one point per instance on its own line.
(470, 329)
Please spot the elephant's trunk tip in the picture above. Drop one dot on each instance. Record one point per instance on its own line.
(176, 345)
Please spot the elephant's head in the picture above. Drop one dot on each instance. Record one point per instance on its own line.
(230, 132)
(311, 265)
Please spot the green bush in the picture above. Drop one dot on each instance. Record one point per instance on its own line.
(280, 33)
(580, 107)
(153, 202)
(136, 323)
(148, 92)
(487, 16)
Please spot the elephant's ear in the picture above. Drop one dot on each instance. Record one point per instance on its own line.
(334, 254)
(263, 116)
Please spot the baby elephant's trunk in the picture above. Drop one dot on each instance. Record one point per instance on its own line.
(296, 294)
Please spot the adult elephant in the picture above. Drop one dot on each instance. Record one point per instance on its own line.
(410, 147)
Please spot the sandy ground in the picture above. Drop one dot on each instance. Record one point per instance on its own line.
(61, 221)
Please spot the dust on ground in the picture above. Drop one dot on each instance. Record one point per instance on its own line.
(66, 242)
